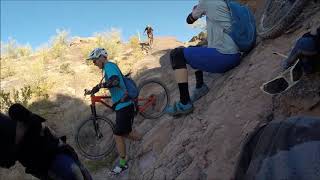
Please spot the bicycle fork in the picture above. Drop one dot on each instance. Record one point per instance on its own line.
(95, 122)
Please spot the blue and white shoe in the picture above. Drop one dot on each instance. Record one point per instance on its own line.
(118, 170)
(179, 109)
(199, 92)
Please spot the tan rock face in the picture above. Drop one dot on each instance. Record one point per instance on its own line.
(206, 144)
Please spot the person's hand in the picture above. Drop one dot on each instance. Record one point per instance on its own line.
(194, 7)
(87, 91)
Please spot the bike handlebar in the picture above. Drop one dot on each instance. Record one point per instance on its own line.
(88, 92)
(92, 94)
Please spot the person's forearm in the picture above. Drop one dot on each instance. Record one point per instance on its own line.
(112, 82)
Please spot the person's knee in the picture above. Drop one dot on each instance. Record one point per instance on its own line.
(177, 59)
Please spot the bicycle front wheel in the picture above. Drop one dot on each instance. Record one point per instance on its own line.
(153, 98)
(277, 15)
(95, 142)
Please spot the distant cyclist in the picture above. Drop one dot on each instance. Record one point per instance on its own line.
(149, 31)
(25, 138)
(123, 105)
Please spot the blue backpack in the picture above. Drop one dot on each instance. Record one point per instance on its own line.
(243, 26)
(131, 87)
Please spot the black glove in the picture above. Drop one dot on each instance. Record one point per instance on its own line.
(95, 89)
(190, 19)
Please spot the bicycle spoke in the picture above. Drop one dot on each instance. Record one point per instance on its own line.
(91, 145)
(153, 99)
(274, 13)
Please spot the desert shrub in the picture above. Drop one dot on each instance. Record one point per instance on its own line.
(37, 78)
(25, 50)
(59, 44)
(41, 90)
(8, 50)
(134, 43)
(65, 68)
(6, 71)
(44, 54)
(111, 41)
(22, 96)
(85, 51)
(12, 49)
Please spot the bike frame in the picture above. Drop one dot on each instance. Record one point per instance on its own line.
(94, 100)
(141, 108)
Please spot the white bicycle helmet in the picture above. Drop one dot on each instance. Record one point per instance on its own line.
(96, 53)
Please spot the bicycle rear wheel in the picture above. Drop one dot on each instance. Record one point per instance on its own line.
(148, 90)
(90, 145)
(277, 15)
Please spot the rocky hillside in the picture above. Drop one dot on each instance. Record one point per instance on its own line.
(205, 144)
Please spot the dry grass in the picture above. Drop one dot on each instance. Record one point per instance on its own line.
(50, 81)
(12, 49)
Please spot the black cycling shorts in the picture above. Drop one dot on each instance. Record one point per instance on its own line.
(124, 120)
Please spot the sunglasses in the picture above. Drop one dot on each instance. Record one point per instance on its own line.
(285, 81)
(94, 60)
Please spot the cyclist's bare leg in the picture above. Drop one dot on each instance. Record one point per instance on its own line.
(134, 135)
(151, 42)
(181, 75)
(121, 146)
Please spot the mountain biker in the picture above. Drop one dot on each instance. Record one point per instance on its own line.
(149, 31)
(307, 48)
(26, 139)
(124, 106)
(221, 54)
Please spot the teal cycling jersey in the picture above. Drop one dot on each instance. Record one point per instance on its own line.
(111, 69)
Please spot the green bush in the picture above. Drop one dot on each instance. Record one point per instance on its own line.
(111, 41)
(137, 52)
(65, 68)
(24, 51)
(7, 72)
(59, 44)
(22, 96)
(12, 49)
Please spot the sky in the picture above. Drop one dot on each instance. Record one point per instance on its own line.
(34, 22)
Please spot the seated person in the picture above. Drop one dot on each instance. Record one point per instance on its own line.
(221, 55)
